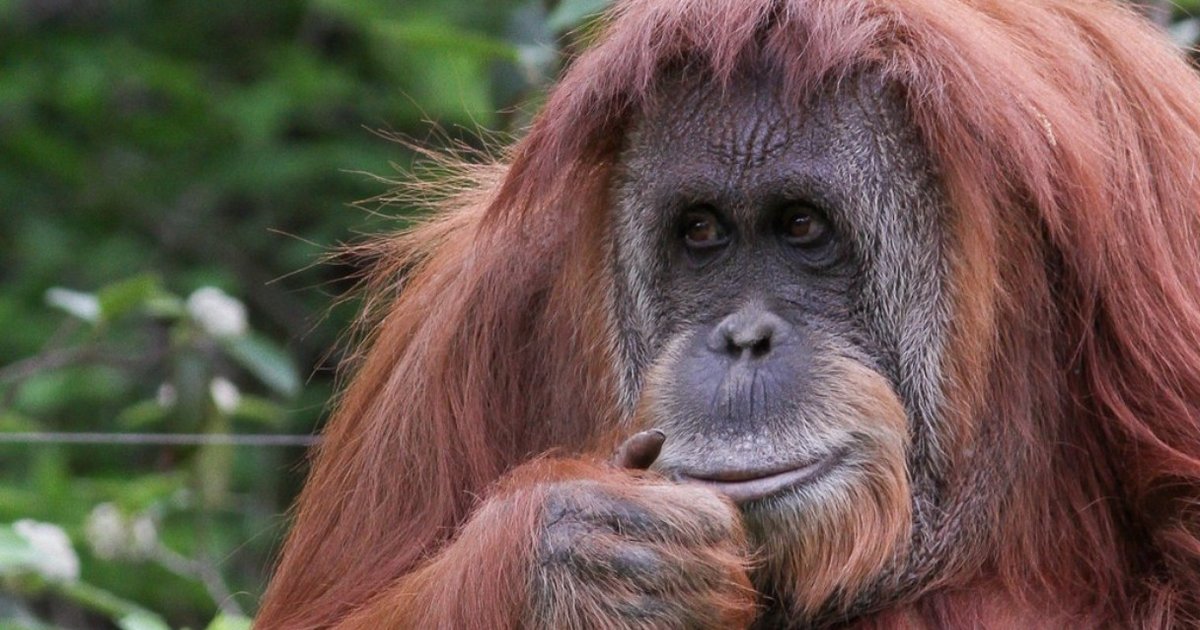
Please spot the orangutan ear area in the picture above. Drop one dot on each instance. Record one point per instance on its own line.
(911, 339)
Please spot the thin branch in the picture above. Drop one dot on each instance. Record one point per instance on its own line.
(50, 360)
(205, 573)
(76, 355)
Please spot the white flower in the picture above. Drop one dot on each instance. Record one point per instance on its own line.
(166, 396)
(54, 558)
(85, 306)
(144, 538)
(218, 313)
(225, 395)
(105, 531)
(112, 535)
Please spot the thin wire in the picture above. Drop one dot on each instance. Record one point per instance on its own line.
(160, 439)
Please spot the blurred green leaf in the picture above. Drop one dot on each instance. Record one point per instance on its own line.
(141, 492)
(16, 422)
(229, 622)
(417, 34)
(48, 151)
(142, 414)
(124, 297)
(91, 385)
(142, 620)
(268, 362)
(260, 410)
(164, 305)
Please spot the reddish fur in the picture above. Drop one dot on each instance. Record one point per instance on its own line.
(1067, 133)
(846, 545)
(466, 586)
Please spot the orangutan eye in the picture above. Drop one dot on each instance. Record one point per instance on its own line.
(701, 229)
(803, 226)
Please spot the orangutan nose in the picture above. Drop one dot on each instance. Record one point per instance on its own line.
(748, 334)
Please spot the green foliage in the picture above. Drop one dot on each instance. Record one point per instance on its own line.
(229, 622)
(149, 150)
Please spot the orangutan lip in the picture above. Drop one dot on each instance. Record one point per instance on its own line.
(743, 486)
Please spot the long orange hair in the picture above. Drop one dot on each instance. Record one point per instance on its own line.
(1067, 133)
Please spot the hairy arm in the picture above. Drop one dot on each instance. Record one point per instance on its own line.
(569, 543)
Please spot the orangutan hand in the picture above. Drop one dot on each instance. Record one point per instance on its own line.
(624, 551)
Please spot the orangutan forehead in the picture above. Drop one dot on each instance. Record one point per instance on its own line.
(749, 143)
(751, 138)
(745, 122)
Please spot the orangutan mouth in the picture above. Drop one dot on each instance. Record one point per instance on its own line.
(744, 486)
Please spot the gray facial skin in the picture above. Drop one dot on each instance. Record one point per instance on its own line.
(734, 343)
